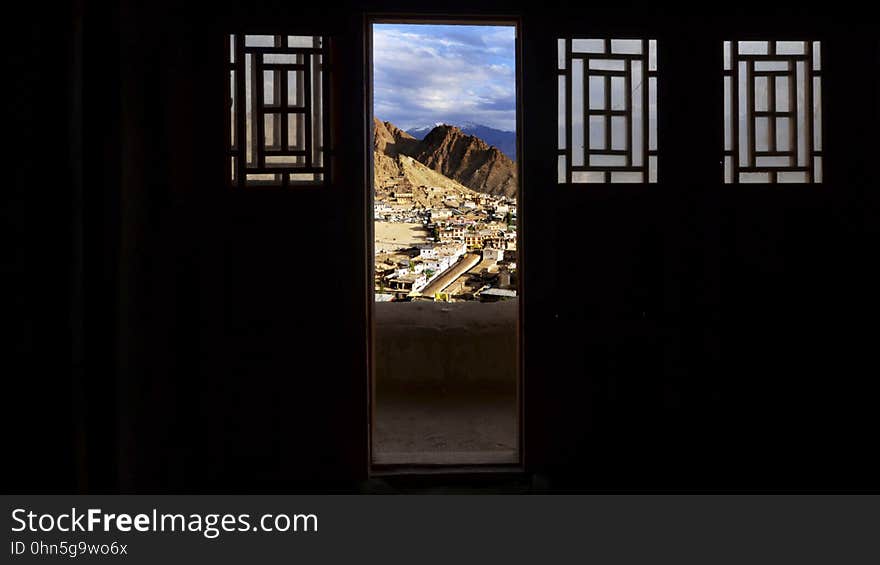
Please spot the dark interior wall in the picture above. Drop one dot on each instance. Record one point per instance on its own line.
(38, 269)
(711, 336)
(685, 334)
(241, 325)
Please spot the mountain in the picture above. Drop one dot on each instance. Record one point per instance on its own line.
(391, 140)
(420, 133)
(446, 150)
(503, 140)
(395, 171)
(404, 174)
(468, 160)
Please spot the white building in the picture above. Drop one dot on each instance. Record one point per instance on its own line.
(427, 252)
(401, 285)
(438, 258)
(438, 265)
(493, 254)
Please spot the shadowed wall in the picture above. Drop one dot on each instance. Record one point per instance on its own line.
(708, 336)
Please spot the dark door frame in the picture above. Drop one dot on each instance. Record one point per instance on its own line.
(370, 19)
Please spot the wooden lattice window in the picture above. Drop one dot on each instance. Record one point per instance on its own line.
(774, 89)
(607, 110)
(278, 110)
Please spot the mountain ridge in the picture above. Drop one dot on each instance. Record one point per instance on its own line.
(459, 157)
(502, 139)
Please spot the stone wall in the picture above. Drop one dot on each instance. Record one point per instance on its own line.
(437, 343)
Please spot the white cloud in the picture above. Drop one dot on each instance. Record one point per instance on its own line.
(460, 76)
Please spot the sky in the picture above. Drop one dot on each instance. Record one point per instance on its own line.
(454, 74)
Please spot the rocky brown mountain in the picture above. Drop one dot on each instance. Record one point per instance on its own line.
(503, 140)
(463, 158)
(391, 141)
(404, 174)
(468, 160)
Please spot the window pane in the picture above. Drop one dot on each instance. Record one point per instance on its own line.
(779, 123)
(283, 110)
(613, 110)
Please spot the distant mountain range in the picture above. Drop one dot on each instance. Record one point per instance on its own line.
(453, 156)
(503, 140)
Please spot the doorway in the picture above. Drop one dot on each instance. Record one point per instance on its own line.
(443, 241)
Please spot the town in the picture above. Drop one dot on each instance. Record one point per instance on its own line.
(460, 248)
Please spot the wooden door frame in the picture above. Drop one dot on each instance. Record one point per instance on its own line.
(514, 20)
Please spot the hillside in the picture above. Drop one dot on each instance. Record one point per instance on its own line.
(468, 160)
(391, 141)
(446, 155)
(404, 174)
(503, 140)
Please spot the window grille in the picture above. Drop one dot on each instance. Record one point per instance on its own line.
(607, 110)
(772, 112)
(278, 110)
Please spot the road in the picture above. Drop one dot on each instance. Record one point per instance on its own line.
(464, 264)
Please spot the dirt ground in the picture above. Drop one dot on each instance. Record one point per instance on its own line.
(442, 427)
(391, 236)
(446, 382)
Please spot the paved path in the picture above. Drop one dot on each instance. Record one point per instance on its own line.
(464, 264)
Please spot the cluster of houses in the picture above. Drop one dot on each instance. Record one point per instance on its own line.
(476, 223)
(400, 206)
(415, 274)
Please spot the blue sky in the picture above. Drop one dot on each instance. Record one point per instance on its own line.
(454, 74)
